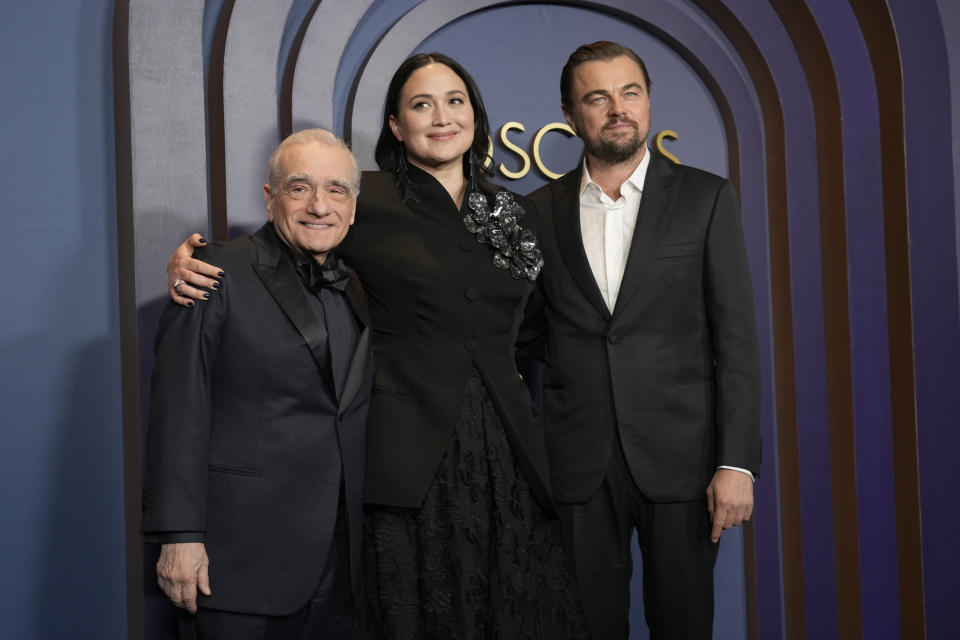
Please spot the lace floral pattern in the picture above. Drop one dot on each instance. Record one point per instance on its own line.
(479, 560)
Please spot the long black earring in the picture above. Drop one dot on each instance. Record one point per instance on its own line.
(470, 171)
(403, 179)
(402, 164)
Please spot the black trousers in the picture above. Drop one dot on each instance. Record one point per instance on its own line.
(329, 614)
(678, 559)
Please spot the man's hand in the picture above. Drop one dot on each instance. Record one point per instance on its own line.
(181, 570)
(729, 500)
(191, 276)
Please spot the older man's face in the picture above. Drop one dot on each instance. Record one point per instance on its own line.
(314, 205)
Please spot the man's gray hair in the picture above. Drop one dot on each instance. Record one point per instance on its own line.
(321, 136)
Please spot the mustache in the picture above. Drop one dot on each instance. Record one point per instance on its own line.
(620, 120)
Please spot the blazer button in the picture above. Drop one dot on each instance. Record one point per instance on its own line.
(471, 344)
(614, 339)
(472, 293)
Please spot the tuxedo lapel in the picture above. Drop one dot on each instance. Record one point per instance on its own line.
(358, 364)
(659, 193)
(280, 278)
(566, 216)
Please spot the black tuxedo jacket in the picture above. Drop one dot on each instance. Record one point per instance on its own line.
(674, 369)
(248, 440)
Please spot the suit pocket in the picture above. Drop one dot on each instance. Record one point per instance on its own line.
(676, 251)
(234, 471)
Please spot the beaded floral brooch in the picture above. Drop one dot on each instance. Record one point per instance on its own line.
(515, 248)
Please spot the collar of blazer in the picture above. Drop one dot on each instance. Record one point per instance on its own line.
(659, 193)
(280, 278)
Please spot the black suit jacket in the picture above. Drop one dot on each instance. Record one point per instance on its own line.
(674, 369)
(248, 441)
(439, 307)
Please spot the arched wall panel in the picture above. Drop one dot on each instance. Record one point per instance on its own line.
(820, 76)
(934, 300)
(812, 414)
(312, 101)
(867, 308)
(250, 120)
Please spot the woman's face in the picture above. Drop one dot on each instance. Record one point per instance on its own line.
(434, 117)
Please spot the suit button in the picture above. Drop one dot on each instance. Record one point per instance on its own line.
(472, 293)
(614, 339)
(471, 344)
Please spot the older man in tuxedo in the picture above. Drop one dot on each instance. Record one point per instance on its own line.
(651, 383)
(256, 439)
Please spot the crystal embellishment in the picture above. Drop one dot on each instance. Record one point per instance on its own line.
(515, 248)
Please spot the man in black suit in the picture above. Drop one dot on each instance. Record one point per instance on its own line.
(651, 383)
(256, 440)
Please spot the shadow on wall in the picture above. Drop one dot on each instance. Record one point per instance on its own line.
(81, 536)
(80, 581)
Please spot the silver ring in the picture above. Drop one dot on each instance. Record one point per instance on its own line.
(176, 285)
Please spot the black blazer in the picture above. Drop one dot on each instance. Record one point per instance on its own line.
(439, 306)
(248, 442)
(674, 369)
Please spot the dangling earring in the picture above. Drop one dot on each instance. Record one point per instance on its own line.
(402, 164)
(470, 171)
(403, 180)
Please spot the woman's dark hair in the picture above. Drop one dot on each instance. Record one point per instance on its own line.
(389, 149)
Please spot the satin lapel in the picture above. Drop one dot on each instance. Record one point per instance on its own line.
(281, 279)
(659, 193)
(357, 370)
(566, 217)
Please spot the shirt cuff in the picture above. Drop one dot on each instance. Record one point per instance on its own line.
(749, 473)
(173, 537)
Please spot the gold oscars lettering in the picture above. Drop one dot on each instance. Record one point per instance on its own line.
(535, 142)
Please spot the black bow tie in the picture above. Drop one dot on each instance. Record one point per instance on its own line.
(318, 276)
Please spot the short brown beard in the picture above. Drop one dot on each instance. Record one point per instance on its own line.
(614, 152)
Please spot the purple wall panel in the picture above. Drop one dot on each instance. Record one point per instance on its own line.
(803, 207)
(868, 318)
(935, 307)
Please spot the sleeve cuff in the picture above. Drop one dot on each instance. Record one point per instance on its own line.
(172, 537)
(749, 473)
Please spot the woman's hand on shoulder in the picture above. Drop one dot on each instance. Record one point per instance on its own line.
(189, 279)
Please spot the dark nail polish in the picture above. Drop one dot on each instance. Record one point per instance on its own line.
(202, 241)
(206, 296)
(220, 274)
(215, 285)
(190, 304)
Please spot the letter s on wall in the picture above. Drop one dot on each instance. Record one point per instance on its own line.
(553, 126)
(514, 175)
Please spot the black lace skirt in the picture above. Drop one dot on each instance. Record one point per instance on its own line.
(480, 559)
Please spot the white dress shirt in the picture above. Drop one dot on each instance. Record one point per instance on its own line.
(606, 226)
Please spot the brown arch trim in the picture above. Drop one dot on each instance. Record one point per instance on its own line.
(879, 33)
(818, 68)
(215, 126)
(129, 340)
(794, 619)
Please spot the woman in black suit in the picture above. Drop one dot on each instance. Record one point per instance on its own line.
(460, 534)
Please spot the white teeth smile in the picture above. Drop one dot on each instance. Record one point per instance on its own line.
(317, 226)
